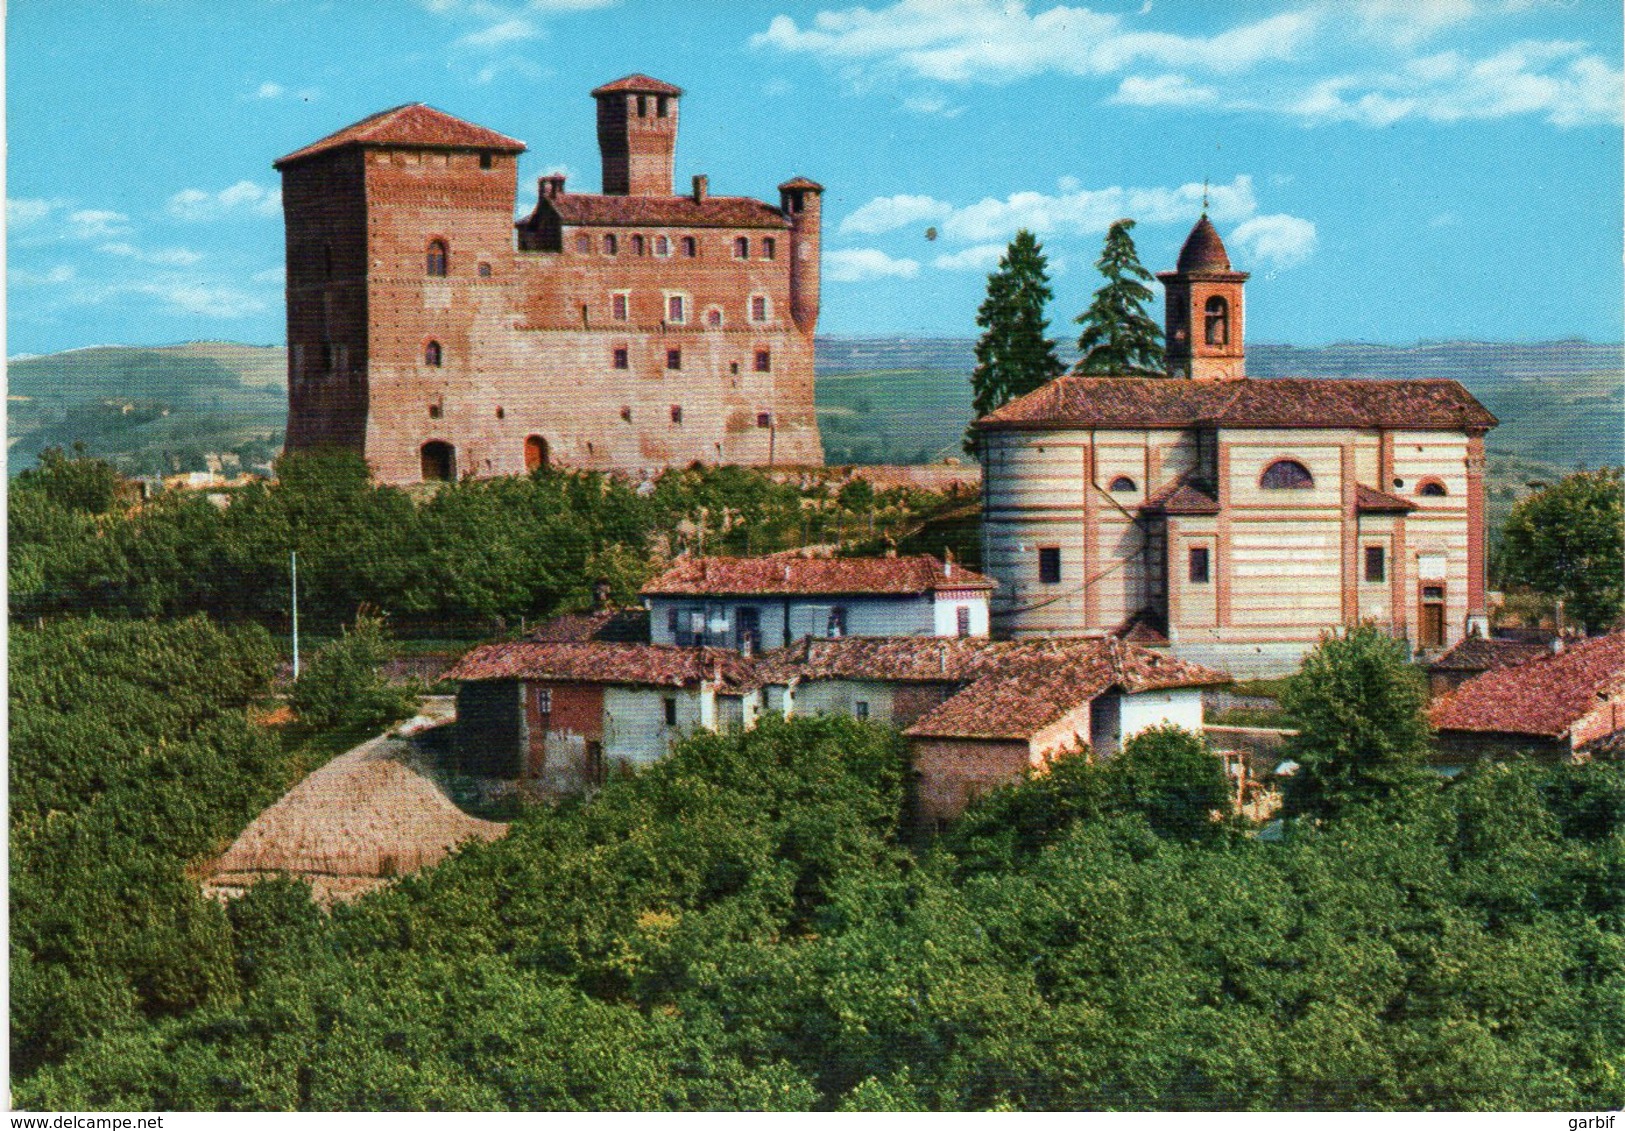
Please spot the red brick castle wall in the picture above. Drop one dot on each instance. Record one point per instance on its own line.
(630, 330)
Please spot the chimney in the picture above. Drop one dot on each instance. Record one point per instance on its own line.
(553, 185)
(702, 187)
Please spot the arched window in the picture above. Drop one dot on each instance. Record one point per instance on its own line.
(439, 461)
(1432, 489)
(691, 247)
(612, 246)
(1217, 321)
(637, 245)
(1286, 474)
(431, 355)
(1123, 483)
(662, 246)
(535, 453)
(437, 259)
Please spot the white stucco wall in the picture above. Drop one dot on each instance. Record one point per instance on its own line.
(1180, 706)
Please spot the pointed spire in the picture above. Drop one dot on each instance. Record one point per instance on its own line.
(1204, 250)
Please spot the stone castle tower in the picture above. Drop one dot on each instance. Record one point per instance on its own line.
(1203, 310)
(627, 330)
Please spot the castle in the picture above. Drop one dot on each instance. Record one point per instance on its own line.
(627, 330)
(1234, 519)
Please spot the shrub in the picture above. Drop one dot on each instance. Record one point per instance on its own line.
(342, 686)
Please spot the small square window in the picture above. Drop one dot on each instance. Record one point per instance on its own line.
(764, 361)
(860, 709)
(674, 359)
(620, 306)
(764, 420)
(434, 412)
(676, 414)
(836, 626)
(544, 700)
(623, 358)
(742, 247)
(758, 308)
(1199, 565)
(770, 247)
(1049, 564)
(1376, 564)
(485, 270)
(485, 160)
(501, 414)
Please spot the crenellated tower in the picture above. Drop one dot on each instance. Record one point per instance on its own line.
(1203, 319)
(637, 135)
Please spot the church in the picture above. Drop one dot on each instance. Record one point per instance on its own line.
(1233, 519)
(631, 329)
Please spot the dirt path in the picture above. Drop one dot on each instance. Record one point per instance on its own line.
(371, 814)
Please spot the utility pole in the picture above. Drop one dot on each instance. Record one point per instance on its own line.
(293, 563)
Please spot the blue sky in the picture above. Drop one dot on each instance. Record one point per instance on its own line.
(1388, 170)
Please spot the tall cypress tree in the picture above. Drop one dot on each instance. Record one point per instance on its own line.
(1119, 338)
(1013, 356)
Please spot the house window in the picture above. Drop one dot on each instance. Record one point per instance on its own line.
(1432, 489)
(742, 247)
(1376, 564)
(674, 359)
(676, 414)
(1286, 475)
(431, 355)
(671, 711)
(713, 317)
(1049, 564)
(672, 616)
(485, 160)
(434, 412)
(620, 305)
(691, 247)
(1217, 320)
(485, 270)
(662, 246)
(770, 247)
(836, 625)
(764, 361)
(962, 620)
(584, 243)
(612, 244)
(437, 259)
(637, 245)
(544, 700)
(1199, 565)
(676, 310)
(764, 420)
(860, 709)
(1123, 483)
(758, 308)
(623, 359)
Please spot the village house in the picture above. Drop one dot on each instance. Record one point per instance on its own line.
(1233, 518)
(751, 604)
(1477, 655)
(1561, 705)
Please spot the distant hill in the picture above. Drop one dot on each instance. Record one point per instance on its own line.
(880, 400)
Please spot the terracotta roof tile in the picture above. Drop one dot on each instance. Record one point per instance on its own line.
(637, 665)
(623, 626)
(1184, 496)
(789, 576)
(1478, 654)
(1033, 685)
(1373, 501)
(415, 125)
(582, 209)
(1545, 696)
(637, 84)
(1203, 250)
(1280, 402)
(802, 183)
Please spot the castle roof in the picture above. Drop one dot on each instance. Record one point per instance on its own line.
(795, 576)
(802, 183)
(594, 210)
(598, 661)
(1544, 697)
(637, 84)
(1203, 250)
(1280, 402)
(415, 125)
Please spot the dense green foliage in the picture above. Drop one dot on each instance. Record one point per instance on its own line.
(1119, 338)
(1013, 357)
(1363, 734)
(131, 755)
(744, 926)
(343, 685)
(1567, 542)
(460, 558)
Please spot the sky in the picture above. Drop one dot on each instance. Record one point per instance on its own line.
(1388, 170)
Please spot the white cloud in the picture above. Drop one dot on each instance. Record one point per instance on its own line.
(930, 104)
(270, 90)
(204, 299)
(62, 273)
(856, 265)
(1281, 240)
(1163, 90)
(163, 257)
(1090, 211)
(25, 212)
(515, 30)
(980, 257)
(244, 196)
(888, 213)
(990, 41)
(97, 223)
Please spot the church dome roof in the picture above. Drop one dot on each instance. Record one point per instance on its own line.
(1203, 250)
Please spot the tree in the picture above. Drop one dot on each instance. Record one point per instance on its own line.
(1013, 356)
(1169, 774)
(1565, 542)
(343, 685)
(1362, 731)
(1119, 338)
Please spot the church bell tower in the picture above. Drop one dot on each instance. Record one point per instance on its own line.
(1203, 319)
